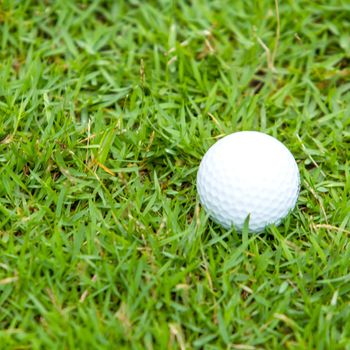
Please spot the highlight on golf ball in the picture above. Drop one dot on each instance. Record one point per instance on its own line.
(248, 174)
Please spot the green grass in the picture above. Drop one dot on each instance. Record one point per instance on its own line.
(106, 108)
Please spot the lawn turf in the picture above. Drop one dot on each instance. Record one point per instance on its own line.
(106, 108)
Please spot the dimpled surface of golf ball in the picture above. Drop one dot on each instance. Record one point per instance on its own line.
(245, 174)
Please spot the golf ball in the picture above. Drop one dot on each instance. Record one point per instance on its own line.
(245, 174)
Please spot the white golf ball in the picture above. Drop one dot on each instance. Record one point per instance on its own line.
(245, 174)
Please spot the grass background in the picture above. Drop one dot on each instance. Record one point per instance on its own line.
(106, 108)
